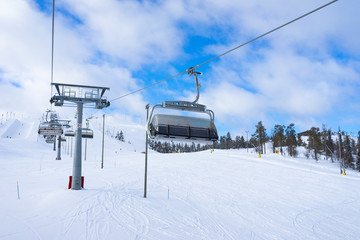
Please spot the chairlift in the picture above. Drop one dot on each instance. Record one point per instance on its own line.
(50, 129)
(51, 126)
(87, 133)
(177, 127)
(69, 133)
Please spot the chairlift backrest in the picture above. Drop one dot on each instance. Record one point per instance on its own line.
(182, 127)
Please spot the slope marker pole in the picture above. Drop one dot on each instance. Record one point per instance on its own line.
(18, 192)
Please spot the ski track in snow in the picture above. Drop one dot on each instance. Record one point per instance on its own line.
(316, 219)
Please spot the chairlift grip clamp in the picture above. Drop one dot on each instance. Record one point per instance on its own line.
(191, 71)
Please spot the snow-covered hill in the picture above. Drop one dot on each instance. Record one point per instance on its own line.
(16, 129)
(221, 195)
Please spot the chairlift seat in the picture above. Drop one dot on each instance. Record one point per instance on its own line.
(183, 127)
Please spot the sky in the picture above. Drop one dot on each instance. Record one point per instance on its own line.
(307, 73)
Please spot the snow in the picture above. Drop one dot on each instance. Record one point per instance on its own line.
(227, 194)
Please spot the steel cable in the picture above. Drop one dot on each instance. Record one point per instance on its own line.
(231, 50)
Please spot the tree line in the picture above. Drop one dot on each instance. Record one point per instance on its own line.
(316, 143)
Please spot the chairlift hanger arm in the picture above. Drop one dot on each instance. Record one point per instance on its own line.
(191, 72)
(150, 117)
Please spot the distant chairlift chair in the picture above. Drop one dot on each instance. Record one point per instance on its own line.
(85, 133)
(50, 127)
(69, 133)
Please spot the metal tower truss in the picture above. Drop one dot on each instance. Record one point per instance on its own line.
(71, 94)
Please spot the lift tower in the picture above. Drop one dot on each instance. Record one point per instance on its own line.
(77, 96)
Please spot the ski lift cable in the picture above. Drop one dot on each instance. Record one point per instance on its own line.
(138, 90)
(52, 50)
(231, 50)
(267, 33)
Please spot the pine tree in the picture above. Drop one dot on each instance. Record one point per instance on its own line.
(228, 141)
(237, 142)
(278, 137)
(348, 157)
(222, 142)
(358, 153)
(261, 136)
(193, 147)
(198, 147)
(242, 142)
(158, 146)
(291, 140)
(299, 140)
(314, 141)
(324, 141)
(121, 136)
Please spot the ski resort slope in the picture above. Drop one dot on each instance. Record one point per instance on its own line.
(221, 195)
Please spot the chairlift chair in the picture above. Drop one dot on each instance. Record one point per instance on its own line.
(177, 127)
(50, 128)
(87, 133)
(69, 133)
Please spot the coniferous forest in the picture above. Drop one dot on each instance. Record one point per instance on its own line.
(318, 144)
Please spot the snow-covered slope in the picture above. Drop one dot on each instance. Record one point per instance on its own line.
(16, 129)
(221, 195)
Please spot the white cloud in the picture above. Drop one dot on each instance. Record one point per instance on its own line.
(132, 32)
(229, 101)
(25, 48)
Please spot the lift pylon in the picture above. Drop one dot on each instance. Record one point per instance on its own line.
(79, 96)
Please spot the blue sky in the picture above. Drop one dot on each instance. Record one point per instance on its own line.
(306, 73)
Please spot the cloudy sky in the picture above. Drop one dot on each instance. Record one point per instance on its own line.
(307, 73)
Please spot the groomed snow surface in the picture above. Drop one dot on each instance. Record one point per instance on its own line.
(222, 195)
